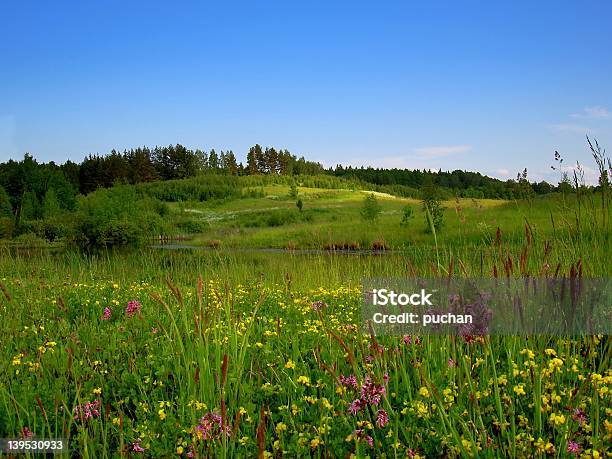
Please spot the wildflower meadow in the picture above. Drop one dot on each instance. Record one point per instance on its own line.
(124, 362)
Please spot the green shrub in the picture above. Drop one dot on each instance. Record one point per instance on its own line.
(370, 209)
(7, 227)
(192, 226)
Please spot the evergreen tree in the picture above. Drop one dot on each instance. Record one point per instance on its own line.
(260, 159)
(213, 160)
(251, 161)
(271, 161)
(232, 165)
(6, 209)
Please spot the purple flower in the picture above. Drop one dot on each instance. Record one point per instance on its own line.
(133, 308)
(355, 407)
(348, 381)
(573, 447)
(408, 340)
(211, 427)
(371, 392)
(318, 305)
(451, 363)
(580, 416)
(26, 433)
(382, 418)
(107, 314)
(360, 435)
(136, 446)
(87, 411)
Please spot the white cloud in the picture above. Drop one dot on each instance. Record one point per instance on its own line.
(419, 158)
(441, 151)
(591, 176)
(398, 162)
(503, 172)
(595, 112)
(568, 127)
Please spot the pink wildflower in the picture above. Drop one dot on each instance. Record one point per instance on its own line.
(382, 418)
(133, 308)
(211, 427)
(360, 435)
(88, 411)
(26, 432)
(371, 393)
(348, 381)
(107, 314)
(318, 305)
(136, 446)
(573, 447)
(355, 406)
(451, 363)
(580, 416)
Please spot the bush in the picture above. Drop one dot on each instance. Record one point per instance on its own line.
(432, 206)
(370, 209)
(192, 226)
(407, 215)
(30, 239)
(51, 229)
(118, 216)
(7, 227)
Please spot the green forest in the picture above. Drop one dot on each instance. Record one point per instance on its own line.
(123, 198)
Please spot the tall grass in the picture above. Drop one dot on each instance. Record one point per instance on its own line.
(238, 354)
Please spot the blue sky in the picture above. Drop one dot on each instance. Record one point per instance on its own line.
(488, 86)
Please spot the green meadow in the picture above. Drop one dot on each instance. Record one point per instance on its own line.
(244, 339)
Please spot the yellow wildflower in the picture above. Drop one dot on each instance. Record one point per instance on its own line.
(519, 389)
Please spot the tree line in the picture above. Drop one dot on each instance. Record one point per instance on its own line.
(456, 183)
(30, 190)
(177, 162)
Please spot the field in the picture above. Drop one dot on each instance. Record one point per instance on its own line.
(238, 351)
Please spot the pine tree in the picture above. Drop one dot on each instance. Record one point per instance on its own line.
(251, 162)
(232, 165)
(213, 160)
